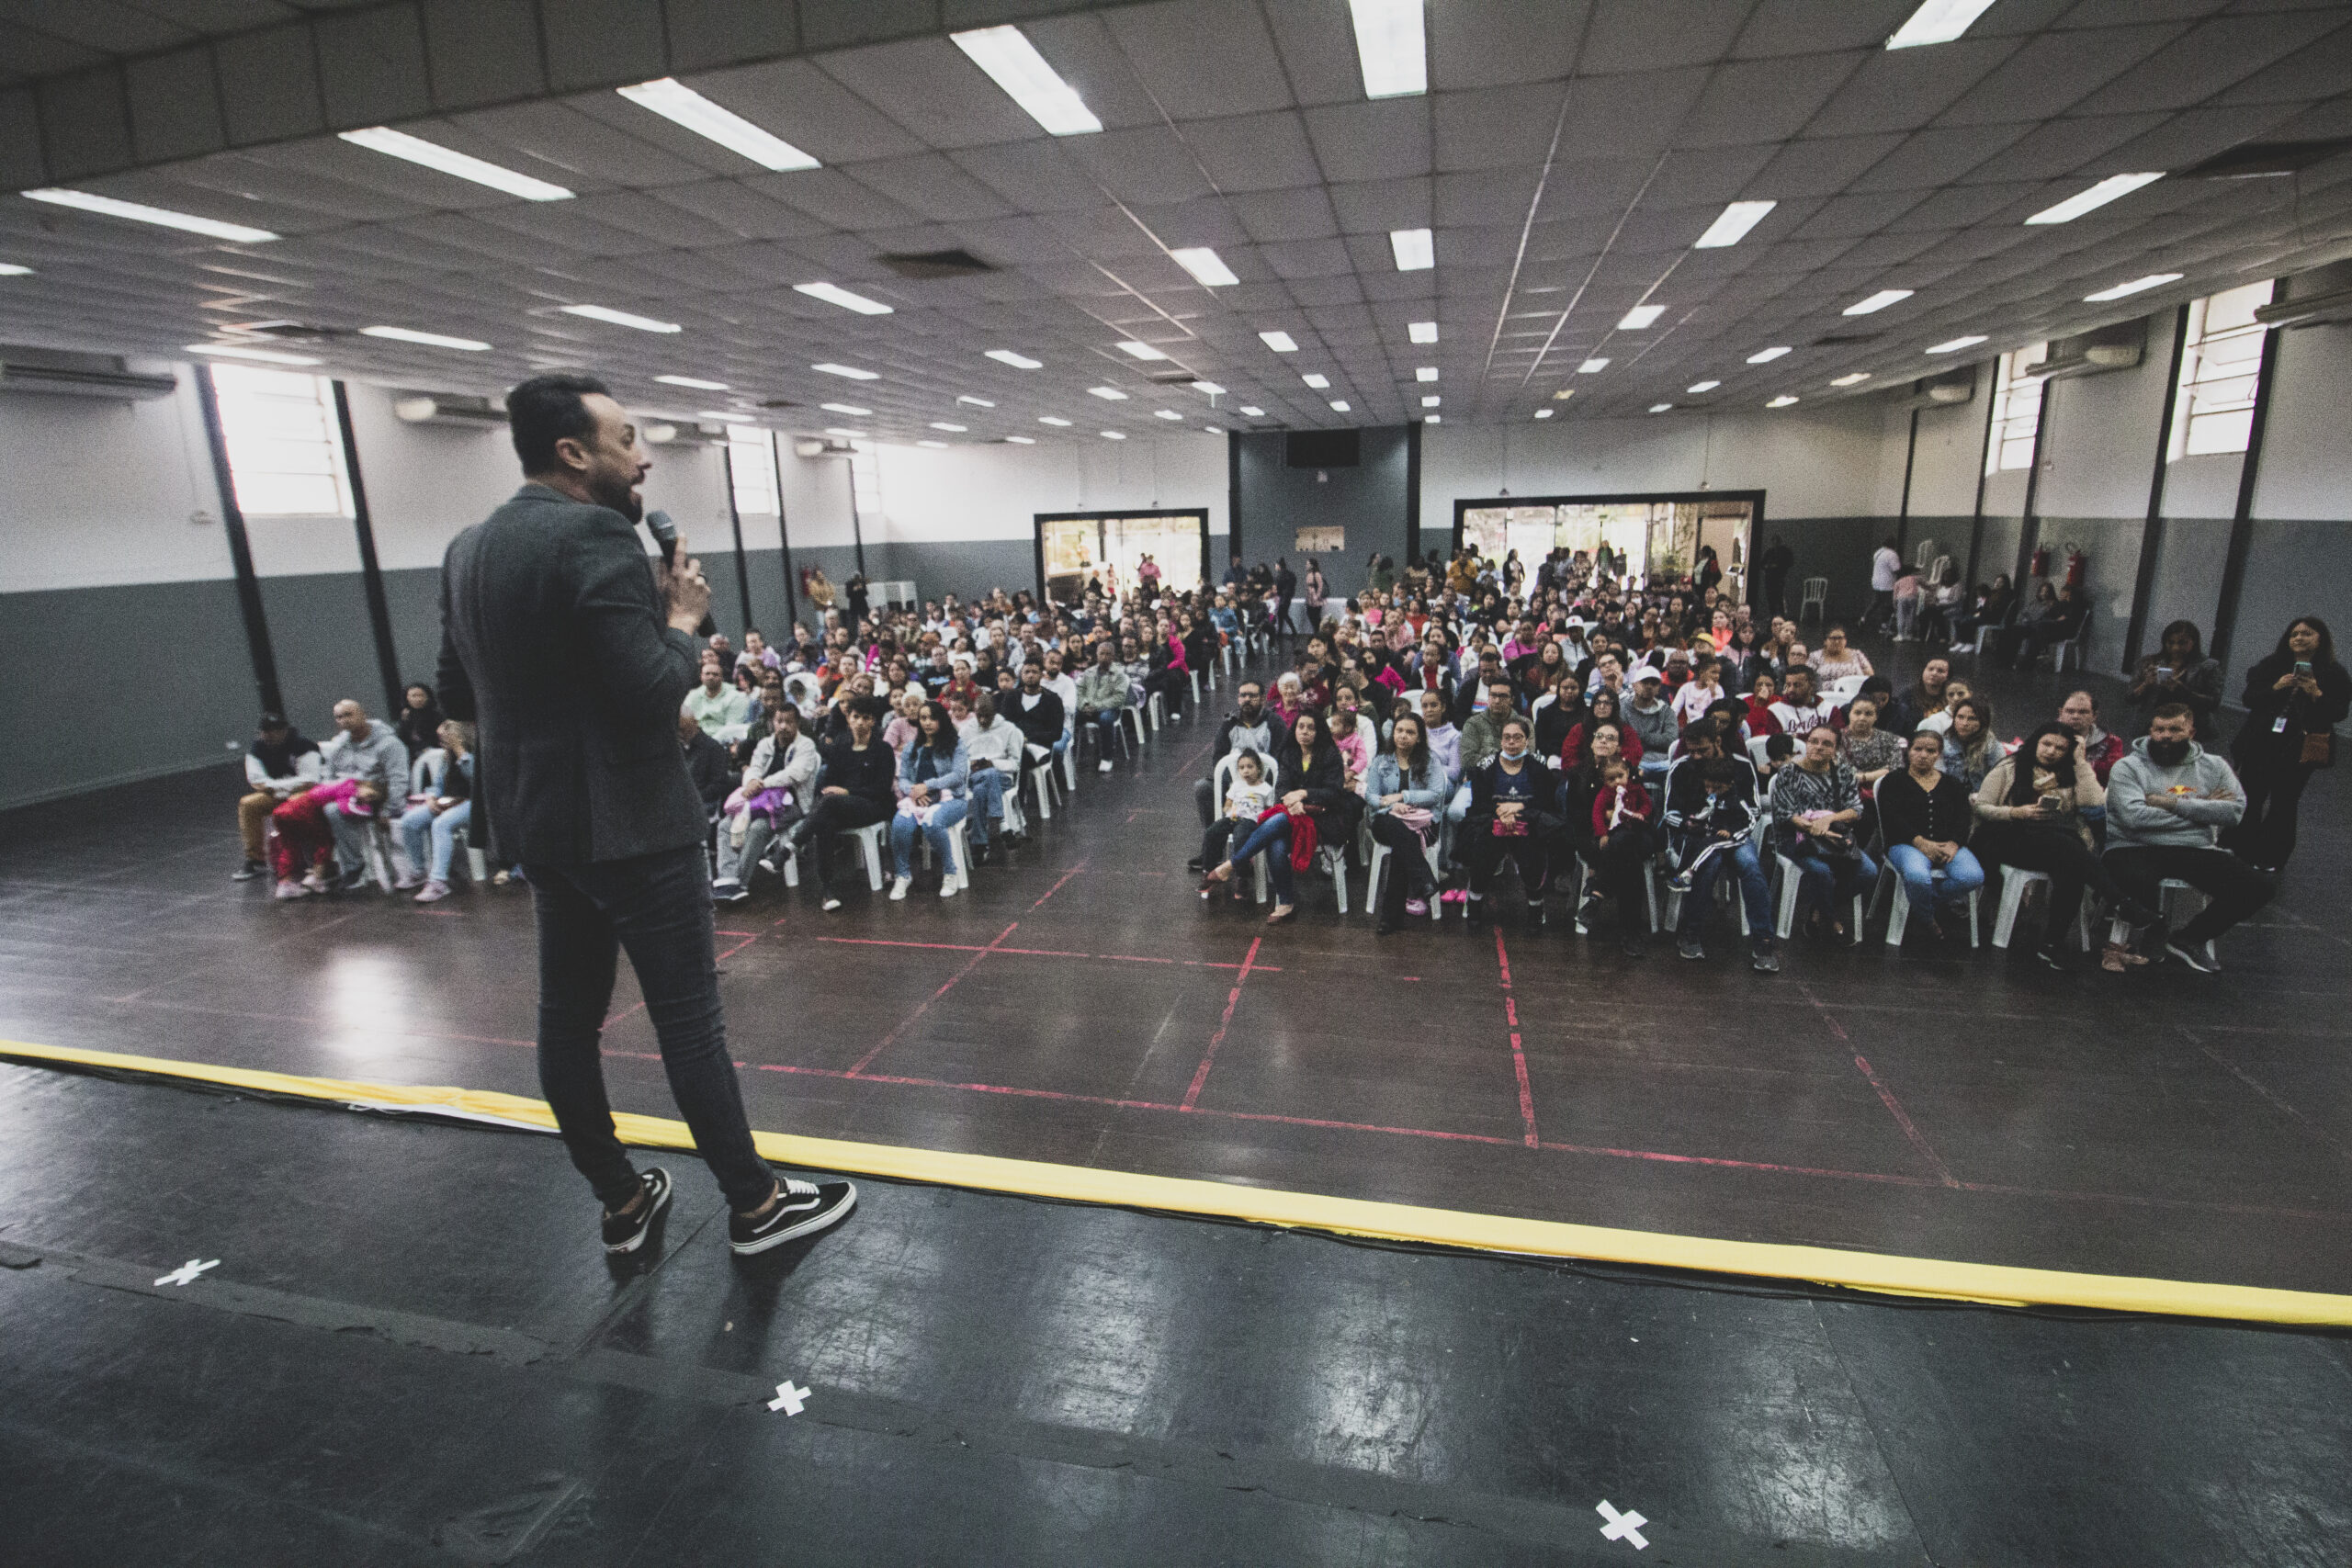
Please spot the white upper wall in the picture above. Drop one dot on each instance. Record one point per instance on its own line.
(2303, 458)
(996, 492)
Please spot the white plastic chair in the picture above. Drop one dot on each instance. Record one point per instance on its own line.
(1792, 878)
(2119, 930)
(2014, 883)
(1815, 602)
(1220, 780)
(869, 839)
(1844, 689)
(959, 850)
(1380, 854)
(1898, 915)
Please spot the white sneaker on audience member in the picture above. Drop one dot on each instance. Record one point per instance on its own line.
(1105, 767)
(434, 893)
(291, 890)
(949, 884)
(898, 886)
(408, 879)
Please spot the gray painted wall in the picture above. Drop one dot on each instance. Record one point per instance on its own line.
(1368, 501)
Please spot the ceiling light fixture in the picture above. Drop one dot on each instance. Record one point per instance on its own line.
(1661, 408)
(975, 402)
(238, 351)
(449, 160)
(850, 409)
(1564, 394)
(851, 371)
(621, 317)
(1544, 413)
(1208, 269)
(1937, 21)
(1316, 379)
(1783, 401)
(1877, 301)
(1018, 361)
(681, 105)
(1022, 440)
(162, 217)
(430, 340)
(1592, 367)
(1703, 386)
(952, 429)
(1766, 356)
(1114, 435)
(1732, 225)
(1422, 331)
(1166, 414)
(1425, 373)
(2154, 281)
(936, 446)
(1340, 405)
(1108, 394)
(1430, 402)
(833, 294)
(1253, 413)
(1013, 64)
(1391, 47)
(1209, 389)
(1415, 249)
(1281, 343)
(1640, 317)
(1851, 378)
(1049, 419)
(1432, 419)
(1954, 345)
(2099, 195)
(1140, 350)
(10, 269)
(698, 383)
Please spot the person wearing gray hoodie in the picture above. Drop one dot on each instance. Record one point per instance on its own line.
(2167, 800)
(361, 747)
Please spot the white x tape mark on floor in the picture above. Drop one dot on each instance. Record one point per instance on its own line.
(1626, 1525)
(186, 1272)
(788, 1399)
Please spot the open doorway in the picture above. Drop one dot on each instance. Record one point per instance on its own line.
(1108, 549)
(1645, 537)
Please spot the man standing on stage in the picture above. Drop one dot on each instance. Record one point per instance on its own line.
(573, 652)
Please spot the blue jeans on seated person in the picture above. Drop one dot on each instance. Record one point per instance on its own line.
(987, 802)
(903, 837)
(1961, 876)
(1755, 891)
(1273, 838)
(418, 823)
(1830, 883)
(350, 840)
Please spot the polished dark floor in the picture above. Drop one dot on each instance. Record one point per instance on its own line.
(410, 1351)
(1083, 1005)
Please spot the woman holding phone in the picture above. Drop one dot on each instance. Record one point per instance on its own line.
(2030, 815)
(2294, 700)
(2178, 671)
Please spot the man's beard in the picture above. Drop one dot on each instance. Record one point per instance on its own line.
(620, 495)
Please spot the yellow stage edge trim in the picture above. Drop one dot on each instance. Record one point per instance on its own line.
(1991, 1284)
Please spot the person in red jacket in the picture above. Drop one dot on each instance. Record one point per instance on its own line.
(2102, 750)
(1620, 799)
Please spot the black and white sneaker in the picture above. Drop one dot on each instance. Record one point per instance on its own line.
(802, 1208)
(626, 1232)
(247, 871)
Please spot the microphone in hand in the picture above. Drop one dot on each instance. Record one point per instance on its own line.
(666, 534)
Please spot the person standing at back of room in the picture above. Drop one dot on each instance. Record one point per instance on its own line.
(572, 653)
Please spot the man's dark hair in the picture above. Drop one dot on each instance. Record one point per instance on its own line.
(1697, 731)
(1781, 747)
(870, 707)
(546, 409)
(2174, 710)
(1718, 770)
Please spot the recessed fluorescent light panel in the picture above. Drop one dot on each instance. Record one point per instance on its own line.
(850, 409)
(1015, 65)
(952, 429)
(1281, 343)
(162, 217)
(1049, 419)
(1109, 394)
(1703, 386)
(1937, 21)
(1114, 435)
(1877, 301)
(430, 340)
(975, 402)
(10, 269)
(698, 383)
(1734, 224)
(238, 351)
(1425, 373)
(1592, 367)
(1766, 356)
(1431, 402)
(1022, 440)
(416, 150)
(1340, 405)
(1543, 414)
(1955, 344)
(1253, 413)
(833, 294)
(1640, 317)
(1140, 351)
(1422, 331)
(681, 105)
(1205, 266)
(1209, 389)
(1018, 361)
(1166, 414)
(1661, 408)
(852, 371)
(2154, 281)
(1316, 380)
(1564, 394)
(2099, 195)
(621, 317)
(1852, 379)
(1415, 249)
(1432, 419)
(1391, 47)
(1783, 401)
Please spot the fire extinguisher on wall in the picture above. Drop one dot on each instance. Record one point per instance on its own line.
(2039, 565)
(2077, 565)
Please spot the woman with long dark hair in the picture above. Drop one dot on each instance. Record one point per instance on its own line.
(934, 784)
(2294, 700)
(1406, 790)
(2030, 815)
(2178, 671)
(1312, 782)
(419, 725)
(1605, 707)
(1616, 856)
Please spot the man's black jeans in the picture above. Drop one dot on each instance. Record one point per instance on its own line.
(658, 906)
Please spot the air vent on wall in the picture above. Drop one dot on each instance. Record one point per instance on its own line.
(2266, 160)
(1947, 390)
(1172, 378)
(935, 264)
(2311, 299)
(2117, 347)
(457, 410)
(61, 373)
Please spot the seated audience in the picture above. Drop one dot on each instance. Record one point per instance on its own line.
(777, 790)
(281, 764)
(1249, 795)
(1102, 698)
(995, 745)
(1927, 816)
(420, 720)
(2169, 801)
(1835, 661)
(716, 707)
(306, 840)
(1405, 789)
(1507, 818)
(1815, 805)
(855, 788)
(430, 829)
(2030, 815)
(1969, 749)
(711, 765)
(360, 748)
(1312, 784)
(934, 789)
(2080, 713)
(1713, 802)
(2178, 671)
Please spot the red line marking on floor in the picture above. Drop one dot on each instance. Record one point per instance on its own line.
(925, 1005)
(1057, 887)
(1518, 1051)
(625, 1012)
(1048, 952)
(748, 940)
(880, 942)
(1903, 1120)
(1232, 999)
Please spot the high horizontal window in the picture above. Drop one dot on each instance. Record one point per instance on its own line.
(285, 450)
(2220, 366)
(751, 460)
(2016, 409)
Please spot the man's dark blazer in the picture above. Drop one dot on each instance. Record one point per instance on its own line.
(554, 642)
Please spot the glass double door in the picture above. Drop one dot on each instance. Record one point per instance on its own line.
(1108, 551)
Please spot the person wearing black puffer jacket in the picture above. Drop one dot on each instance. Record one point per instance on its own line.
(2294, 700)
